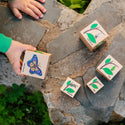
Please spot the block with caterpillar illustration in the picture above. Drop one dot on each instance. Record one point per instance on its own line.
(109, 67)
(70, 87)
(95, 85)
(35, 64)
(93, 35)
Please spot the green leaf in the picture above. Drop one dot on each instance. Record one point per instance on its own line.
(94, 86)
(75, 1)
(70, 90)
(108, 71)
(113, 68)
(68, 83)
(75, 6)
(2, 89)
(94, 80)
(91, 37)
(94, 25)
(107, 60)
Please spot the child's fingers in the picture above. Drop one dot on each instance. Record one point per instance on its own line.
(16, 67)
(17, 13)
(42, 1)
(36, 11)
(31, 13)
(39, 6)
(29, 47)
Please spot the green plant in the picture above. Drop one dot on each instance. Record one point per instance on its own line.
(77, 5)
(21, 107)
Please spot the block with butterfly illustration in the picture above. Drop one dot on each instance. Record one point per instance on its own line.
(70, 87)
(95, 85)
(36, 64)
(93, 35)
(109, 67)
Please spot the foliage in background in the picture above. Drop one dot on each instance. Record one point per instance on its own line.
(20, 107)
(77, 5)
(116, 123)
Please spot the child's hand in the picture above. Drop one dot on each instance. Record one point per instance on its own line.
(30, 7)
(14, 53)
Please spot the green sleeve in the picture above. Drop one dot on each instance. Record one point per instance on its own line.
(5, 43)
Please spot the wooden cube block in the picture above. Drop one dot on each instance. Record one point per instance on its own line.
(35, 64)
(109, 67)
(95, 85)
(93, 35)
(70, 87)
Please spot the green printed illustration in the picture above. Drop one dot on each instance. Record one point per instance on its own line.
(91, 37)
(93, 84)
(68, 89)
(39, 52)
(107, 70)
(99, 44)
(94, 25)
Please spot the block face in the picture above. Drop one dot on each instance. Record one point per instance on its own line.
(95, 85)
(35, 64)
(93, 35)
(70, 87)
(109, 67)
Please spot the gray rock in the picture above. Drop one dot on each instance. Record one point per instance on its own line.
(100, 105)
(94, 5)
(53, 12)
(120, 103)
(25, 30)
(73, 63)
(69, 42)
(7, 75)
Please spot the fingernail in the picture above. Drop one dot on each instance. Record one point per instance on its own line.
(34, 48)
(20, 17)
(44, 10)
(41, 16)
(43, 0)
(37, 17)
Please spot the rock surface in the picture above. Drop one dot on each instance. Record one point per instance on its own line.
(101, 104)
(72, 59)
(69, 42)
(26, 30)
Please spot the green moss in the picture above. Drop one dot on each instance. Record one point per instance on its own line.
(77, 5)
(21, 107)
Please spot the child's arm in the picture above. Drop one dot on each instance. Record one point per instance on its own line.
(13, 51)
(30, 7)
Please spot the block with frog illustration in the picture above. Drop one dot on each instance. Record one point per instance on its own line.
(35, 64)
(95, 85)
(93, 35)
(70, 87)
(109, 67)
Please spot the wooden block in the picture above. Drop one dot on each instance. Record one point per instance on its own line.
(95, 85)
(70, 87)
(93, 35)
(109, 67)
(35, 64)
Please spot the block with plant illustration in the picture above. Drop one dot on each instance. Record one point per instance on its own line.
(95, 85)
(93, 35)
(70, 87)
(35, 64)
(109, 67)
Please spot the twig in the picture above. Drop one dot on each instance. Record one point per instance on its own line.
(109, 63)
(93, 29)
